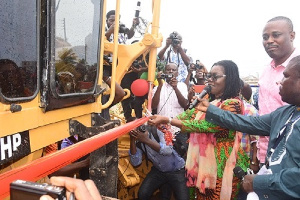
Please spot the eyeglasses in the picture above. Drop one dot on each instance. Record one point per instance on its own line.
(214, 77)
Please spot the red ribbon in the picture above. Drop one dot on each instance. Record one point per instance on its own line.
(43, 166)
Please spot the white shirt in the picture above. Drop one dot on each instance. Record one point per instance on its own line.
(168, 103)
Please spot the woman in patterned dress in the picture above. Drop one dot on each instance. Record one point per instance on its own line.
(213, 151)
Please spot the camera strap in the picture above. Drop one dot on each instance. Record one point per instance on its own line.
(165, 102)
(143, 149)
(169, 58)
(152, 131)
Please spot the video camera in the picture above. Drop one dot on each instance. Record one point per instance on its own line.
(123, 29)
(137, 64)
(197, 66)
(142, 128)
(166, 76)
(175, 37)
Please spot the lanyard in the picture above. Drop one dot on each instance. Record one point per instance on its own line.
(169, 58)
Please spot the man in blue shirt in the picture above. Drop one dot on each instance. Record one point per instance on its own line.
(173, 52)
(168, 166)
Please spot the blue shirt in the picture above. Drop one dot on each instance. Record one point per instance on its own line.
(166, 160)
(171, 56)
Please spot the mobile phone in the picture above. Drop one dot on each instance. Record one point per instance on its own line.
(26, 190)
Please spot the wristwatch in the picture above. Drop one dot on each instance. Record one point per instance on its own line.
(253, 163)
(170, 120)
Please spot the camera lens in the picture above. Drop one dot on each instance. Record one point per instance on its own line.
(198, 66)
(123, 29)
(175, 41)
(142, 128)
(135, 64)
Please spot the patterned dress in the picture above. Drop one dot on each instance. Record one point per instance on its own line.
(213, 153)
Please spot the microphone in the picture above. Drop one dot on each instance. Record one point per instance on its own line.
(205, 91)
(239, 172)
(138, 9)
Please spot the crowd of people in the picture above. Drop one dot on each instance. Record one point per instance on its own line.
(223, 141)
(224, 130)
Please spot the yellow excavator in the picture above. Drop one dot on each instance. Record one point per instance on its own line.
(51, 86)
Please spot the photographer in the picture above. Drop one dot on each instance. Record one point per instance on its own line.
(168, 166)
(197, 78)
(175, 54)
(169, 99)
(170, 96)
(197, 82)
(124, 33)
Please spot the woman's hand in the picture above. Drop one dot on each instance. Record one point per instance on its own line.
(202, 105)
(191, 93)
(156, 120)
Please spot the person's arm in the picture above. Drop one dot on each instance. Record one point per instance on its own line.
(135, 153)
(155, 120)
(72, 168)
(188, 78)
(83, 190)
(246, 91)
(144, 138)
(190, 73)
(191, 125)
(156, 96)
(282, 185)
(132, 145)
(135, 22)
(164, 49)
(181, 99)
(216, 119)
(119, 92)
(110, 31)
(247, 124)
(131, 32)
(143, 69)
(140, 69)
(184, 117)
(184, 57)
(254, 162)
(191, 94)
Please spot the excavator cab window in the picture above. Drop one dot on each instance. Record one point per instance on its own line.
(75, 51)
(18, 50)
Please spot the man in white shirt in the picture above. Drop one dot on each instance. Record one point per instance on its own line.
(170, 96)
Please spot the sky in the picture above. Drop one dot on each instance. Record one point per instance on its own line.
(215, 30)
